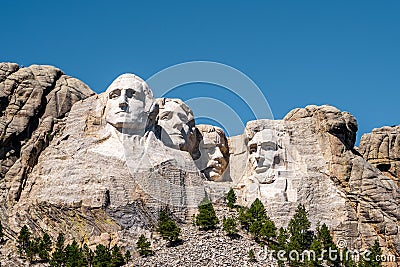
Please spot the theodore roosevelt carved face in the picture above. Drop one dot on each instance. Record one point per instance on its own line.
(214, 152)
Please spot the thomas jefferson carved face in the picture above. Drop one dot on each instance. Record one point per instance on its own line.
(128, 103)
(214, 152)
(262, 149)
(176, 122)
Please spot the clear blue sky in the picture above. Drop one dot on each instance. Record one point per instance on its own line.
(343, 53)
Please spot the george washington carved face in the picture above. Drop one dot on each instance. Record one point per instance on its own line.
(129, 100)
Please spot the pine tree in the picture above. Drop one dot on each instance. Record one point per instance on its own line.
(267, 230)
(231, 198)
(373, 257)
(127, 256)
(24, 239)
(300, 234)
(88, 254)
(143, 246)
(229, 226)
(252, 256)
(1, 233)
(256, 221)
(74, 255)
(206, 219)
(257, 210)
(102, 256)
(117, 259)
(44, 248)
(324, 237)
(299, 229)
(281, 244)
(167, 228)
(316, 247)
(58, 256)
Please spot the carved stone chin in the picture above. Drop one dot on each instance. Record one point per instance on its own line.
(266, 178)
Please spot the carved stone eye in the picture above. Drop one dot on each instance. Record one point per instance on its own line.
(130, 93)
(114, 94)
(253, 148)
(165, 116)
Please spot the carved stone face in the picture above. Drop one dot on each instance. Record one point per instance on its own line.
(214, 152)
(262, 150)
(175, 120)
(128, 99)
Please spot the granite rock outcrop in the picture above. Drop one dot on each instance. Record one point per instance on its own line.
(99, 167)
(309, 157)
(381, 148)
(33, 104)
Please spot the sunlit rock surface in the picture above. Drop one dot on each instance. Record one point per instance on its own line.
(95, 166)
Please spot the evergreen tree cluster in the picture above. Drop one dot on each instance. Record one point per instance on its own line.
(255, 221)
(206, 219)
(167, 228)
(299, 238)
(34, 249)
(231, 198)
(71, 255)
(143, 246)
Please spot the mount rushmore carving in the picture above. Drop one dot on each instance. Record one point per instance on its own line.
(109, 162)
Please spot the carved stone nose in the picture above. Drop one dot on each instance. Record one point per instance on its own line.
(123, 104)
(177, 124)
(217, 154)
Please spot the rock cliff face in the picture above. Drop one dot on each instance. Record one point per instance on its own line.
(65, 167)
(88, 181)
(315, 164)
(33, 104)
(381, 148)
(86, 170)
(31, 99)
(372, 199)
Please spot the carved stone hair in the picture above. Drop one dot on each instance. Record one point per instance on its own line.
(162, 102)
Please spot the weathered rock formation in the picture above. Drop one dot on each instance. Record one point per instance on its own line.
(33, 104)
(31, 99)
(105, 172)
(97, 167)
(381, 148)
(313, 162)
